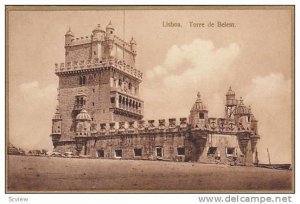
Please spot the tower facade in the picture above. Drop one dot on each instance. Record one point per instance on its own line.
(99, 79)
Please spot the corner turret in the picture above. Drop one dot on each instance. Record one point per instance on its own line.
(98, 34)
(69, 37)
(56, 127)
(199, 113)
(110, 31)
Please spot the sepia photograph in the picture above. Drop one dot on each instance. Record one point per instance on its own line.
(150, 99)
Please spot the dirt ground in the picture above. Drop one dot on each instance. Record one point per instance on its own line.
(29, 173)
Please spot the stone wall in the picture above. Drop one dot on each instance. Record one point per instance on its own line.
(66, 147)
(97, 93)
(78, 52)
(148, 143)
(221, 142)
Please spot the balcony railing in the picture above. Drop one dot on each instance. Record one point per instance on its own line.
(127, 108)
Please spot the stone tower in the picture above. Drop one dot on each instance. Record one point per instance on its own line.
(98, 83)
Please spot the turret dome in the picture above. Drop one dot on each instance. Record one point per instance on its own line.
(242, 109)
(230, 92)
(69, 32)
(98, 29)
(199, 105)
(83, 115)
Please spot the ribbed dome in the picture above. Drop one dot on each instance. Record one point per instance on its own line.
(242, 109)
(199, 105)
(69, 32)
(83, 115)
(230, 92)
(98, 29)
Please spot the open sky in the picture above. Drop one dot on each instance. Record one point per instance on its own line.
(254, 57)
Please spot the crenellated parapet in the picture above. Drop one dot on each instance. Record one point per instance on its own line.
(88, 65)
(81, 40)
(213, 126)
(141, 126)
(122, 43)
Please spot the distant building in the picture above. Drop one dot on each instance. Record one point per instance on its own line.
(100, 112)
(12, 150)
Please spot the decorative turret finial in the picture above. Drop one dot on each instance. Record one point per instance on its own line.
(132, 41)
(199, 95)
(241, 101)
(230, 92)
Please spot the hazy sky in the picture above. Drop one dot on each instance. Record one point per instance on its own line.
(254, 57)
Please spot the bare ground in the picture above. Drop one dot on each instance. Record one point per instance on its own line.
(52, 174)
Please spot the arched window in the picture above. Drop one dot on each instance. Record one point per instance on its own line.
(126, 101)
(120, 82)
(123, 101)
(130, 102)
(201, 115)
(120, 99)
(112, 99)
(82, 80)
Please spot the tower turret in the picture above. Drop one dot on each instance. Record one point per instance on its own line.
(242, 115)
(231, 103)
(83, 124)
(230, 98)
(110, 31)
(199, 113)
(98, 33)
(56, 127)
(69, 37)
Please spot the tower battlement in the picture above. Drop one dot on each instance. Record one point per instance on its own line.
(101, 44)
(96, 63)
(81, 40)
